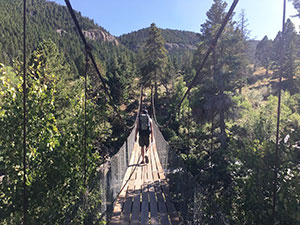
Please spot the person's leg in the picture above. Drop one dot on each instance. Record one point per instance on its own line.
(143, 153)
(146, 149)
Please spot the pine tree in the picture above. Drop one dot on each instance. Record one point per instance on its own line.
(244, 32)
(155, 59)
(211, 102)
(222, 72)
(264, 53)
(287, 52)
(297, 5)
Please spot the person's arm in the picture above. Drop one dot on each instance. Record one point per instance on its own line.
(136, 131)
(151, 131)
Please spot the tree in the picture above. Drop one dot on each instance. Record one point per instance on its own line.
(244, 32)
(264, 53)
(120, 74)
(54, 122)
(155, 59)
(211, 102)
(222, 72)
(296, 5)
(286, 55)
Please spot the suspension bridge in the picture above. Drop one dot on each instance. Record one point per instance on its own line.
(145, 194)
(159, 192)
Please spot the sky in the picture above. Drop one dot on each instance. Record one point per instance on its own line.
(124, 16)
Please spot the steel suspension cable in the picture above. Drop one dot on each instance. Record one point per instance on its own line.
(154, 113)
(85, 122)
(207, 54)
(122, 188)
(24, 117)
(277, 164)
(210, 49)
(111, 101)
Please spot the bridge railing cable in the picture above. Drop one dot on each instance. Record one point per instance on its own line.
(89, 52)
(188, 196)
(277, 159)
(108, 181)
(202, 64)
(24, 118)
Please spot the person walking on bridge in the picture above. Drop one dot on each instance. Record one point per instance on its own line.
(145, 129)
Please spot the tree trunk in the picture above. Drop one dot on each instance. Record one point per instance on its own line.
(223, 135)
(212, 134)
(155, 92)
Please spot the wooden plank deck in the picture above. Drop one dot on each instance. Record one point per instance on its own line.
(145, 198)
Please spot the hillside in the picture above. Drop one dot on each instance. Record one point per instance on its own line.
(175, 39)
(251, 50)
(48, 20)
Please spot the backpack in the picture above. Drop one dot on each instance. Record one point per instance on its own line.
(144, 124)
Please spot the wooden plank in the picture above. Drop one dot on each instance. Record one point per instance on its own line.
(163, 213)
(145, 206)
(139, 178)
(162, 208)
(153, 166)
(158, 164)
(131, 167)
(159, 168)
(170, 206)
(135, 219)
(146, 197)
(145, 213)
(149, 167)
(125, 217)
(153, 207)
(173, 213)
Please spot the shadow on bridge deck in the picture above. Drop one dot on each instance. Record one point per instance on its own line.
(145, 197)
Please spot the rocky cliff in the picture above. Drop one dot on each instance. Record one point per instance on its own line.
(97, 34)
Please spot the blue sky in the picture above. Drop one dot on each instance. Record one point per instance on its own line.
(123, 16)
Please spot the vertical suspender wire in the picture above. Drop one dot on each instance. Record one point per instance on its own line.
(276, 164)
(85, 134)
(189, 122)
(24, 118)
(85, 123)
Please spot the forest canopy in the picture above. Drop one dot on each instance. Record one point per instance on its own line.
(224, 131)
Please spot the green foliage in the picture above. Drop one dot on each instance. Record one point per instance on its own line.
(238, 178)
(155, 58)
(120, 75)
(55, 155)
(264, 53)
(252, 146)
(285, 57)
(48, 20)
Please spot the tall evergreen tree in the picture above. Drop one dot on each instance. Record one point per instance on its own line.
(244, 32)
(222, 72)
(155, 59)
(264, 53)
(211, 102)
(287, 52)
(297, 5)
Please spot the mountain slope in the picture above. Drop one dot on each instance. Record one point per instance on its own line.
(48, 20)
(175, 39)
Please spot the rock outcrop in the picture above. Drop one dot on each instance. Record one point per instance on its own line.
(172, 46)
(97, 34)
(61, 31)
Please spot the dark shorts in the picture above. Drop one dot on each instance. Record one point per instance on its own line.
(144, 140)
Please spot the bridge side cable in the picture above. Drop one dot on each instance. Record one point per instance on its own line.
(89, 53)
(207, 54)
(277, 159)
(24, 118)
